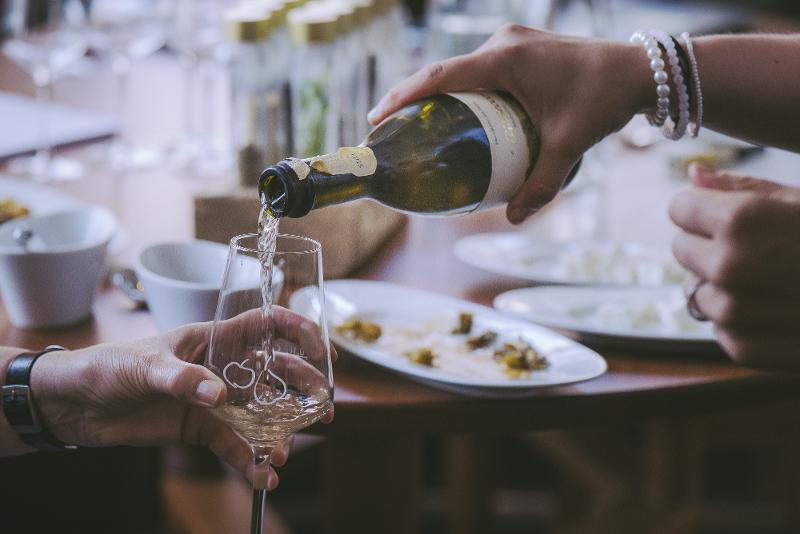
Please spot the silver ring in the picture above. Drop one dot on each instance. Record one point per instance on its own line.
(691, 302)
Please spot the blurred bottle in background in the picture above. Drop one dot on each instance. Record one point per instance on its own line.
(313, 31)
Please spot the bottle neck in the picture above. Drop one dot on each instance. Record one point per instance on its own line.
(342, 176)
(294, 187)
(330, 189)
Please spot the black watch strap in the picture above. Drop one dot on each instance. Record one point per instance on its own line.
(17, 401)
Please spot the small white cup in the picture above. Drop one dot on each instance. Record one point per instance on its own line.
(182, 281)
(52, 281)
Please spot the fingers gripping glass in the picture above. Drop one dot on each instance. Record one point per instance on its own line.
(276, 363)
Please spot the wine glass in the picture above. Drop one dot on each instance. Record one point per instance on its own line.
(198, 36)
(124, 31)
(45, 37)
(276, 363)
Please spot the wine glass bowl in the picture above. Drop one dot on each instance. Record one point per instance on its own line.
(131, 28)
(275, 363)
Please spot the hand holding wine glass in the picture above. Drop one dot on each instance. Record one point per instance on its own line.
(275, 364)
(148, 392)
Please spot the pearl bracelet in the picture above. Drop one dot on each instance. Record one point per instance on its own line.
(698, 92)
(659, 76)
(677, 130)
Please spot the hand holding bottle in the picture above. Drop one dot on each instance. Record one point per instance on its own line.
(575, 91)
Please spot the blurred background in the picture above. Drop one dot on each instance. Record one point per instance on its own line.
(211, 91)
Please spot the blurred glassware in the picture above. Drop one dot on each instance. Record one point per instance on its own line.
(198, 36)
(44, 37)
(125, 31)
(260, 124)
(460, 26)
(315, 114)
(587, 18)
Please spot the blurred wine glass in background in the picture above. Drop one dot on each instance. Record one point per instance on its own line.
(124, 31)
(44, 37)
(197, 35)
(460, 26)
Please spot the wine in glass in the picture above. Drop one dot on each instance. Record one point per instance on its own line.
(276, 363)
(45, 37)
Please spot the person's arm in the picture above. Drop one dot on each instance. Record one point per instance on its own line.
(577, 91)
(751, 87)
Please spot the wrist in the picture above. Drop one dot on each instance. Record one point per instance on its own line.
(631, 67)
(55, 387)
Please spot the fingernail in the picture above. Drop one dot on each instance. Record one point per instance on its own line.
(697, 169)
(208, 392)
(273, 482)
(373, 114)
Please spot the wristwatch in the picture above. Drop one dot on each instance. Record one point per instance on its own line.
(17, 401)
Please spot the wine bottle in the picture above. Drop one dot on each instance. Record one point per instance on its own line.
(442, 155)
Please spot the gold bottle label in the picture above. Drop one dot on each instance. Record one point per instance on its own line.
(358, 161)
(300, 167)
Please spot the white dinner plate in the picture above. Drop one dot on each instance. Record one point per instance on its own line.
(609, 263)
(38, 198)
(635, 316)
(383, 302)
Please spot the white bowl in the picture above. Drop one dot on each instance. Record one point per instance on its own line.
(182, 281)
(52, 282)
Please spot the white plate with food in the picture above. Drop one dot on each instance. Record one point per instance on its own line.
(448, 342)
(519, 255)
(20, 197)
(635, 316)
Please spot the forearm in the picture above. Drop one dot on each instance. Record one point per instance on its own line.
(751, 87)
(10, 444)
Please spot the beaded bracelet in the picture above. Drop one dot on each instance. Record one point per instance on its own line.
(679, 129)
(659, 76)
(698, 92)
(683, 61)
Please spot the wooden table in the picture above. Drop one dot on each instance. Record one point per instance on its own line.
(372, 454)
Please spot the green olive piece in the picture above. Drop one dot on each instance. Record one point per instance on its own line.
(360, 329)
(423, 356)
(464, 323)
(481, 341)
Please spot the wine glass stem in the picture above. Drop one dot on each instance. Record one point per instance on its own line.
(208, 102)
(43, 80)
(261, 459)
(189, 64)
(121, 66)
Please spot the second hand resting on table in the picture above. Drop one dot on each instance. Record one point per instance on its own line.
(738, 234)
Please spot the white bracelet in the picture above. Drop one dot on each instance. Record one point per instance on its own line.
(677, 130)
(698, 91)
(659, 76)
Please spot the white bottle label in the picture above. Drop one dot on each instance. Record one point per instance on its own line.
(507, 142)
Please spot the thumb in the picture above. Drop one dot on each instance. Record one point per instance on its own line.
(549, 174)
(702, 176)
(187, 382)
